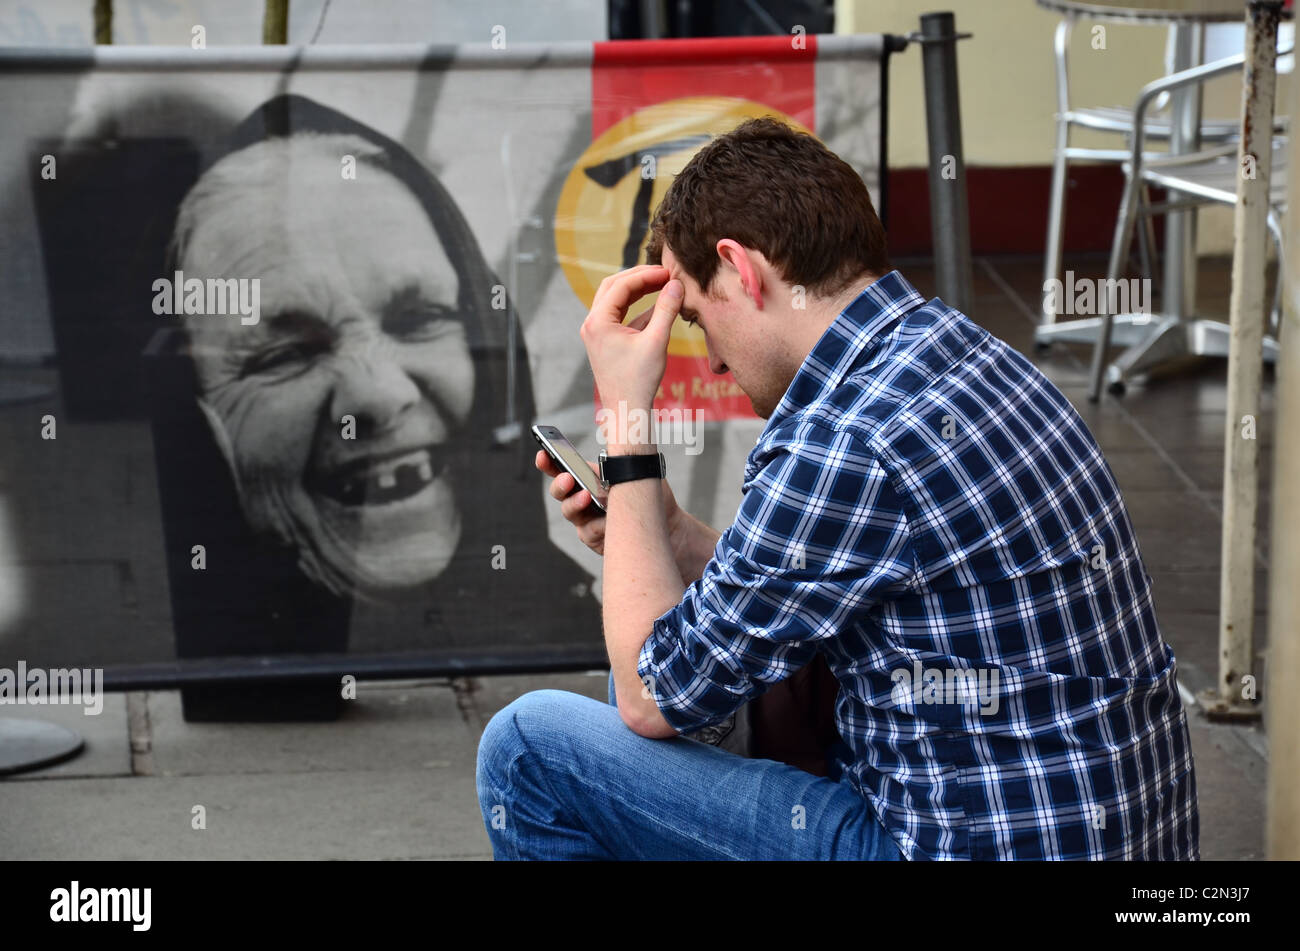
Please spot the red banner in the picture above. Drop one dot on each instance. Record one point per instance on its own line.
(654, 104)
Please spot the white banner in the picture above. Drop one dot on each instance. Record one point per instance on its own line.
(297, 309)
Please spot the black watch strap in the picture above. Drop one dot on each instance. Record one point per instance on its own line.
(629, 468)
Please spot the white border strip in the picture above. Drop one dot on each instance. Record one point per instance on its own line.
(407, 56)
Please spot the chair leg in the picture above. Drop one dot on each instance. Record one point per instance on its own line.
(1275, 229)
(1118, 253)
(1056, 218)
(1056, 207)
(1145, 242)
(1149, 235)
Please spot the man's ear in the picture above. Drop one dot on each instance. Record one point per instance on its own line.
(737, 256)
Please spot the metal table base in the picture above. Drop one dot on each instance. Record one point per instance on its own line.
(1148, 341)
(31, 744)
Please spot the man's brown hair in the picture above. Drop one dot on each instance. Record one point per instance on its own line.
(781, 192)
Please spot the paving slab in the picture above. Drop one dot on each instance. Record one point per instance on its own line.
(390, 725)
(1231, 786)
(399, 813)
(490, 694)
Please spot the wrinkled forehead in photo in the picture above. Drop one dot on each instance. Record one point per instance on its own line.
(328, 328)
(316, 235)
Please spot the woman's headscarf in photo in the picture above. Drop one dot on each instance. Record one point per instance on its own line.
(507, 588)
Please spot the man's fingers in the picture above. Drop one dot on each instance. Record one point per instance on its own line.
(666, 308)
(618, 291)
(640, 320)
(579, 510)
(664, 311)
(633, 271)
(544, 462)
(575, 505)
(610, 279)
(561, 486)
(572, 504)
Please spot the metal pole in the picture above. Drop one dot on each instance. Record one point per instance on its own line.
(1245, 359)
(275, 23)
(1283, 826)
(654, 19)
(103, 22)
(949, 210)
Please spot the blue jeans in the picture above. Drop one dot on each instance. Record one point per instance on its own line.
(561, 776)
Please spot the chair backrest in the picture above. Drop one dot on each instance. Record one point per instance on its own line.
(1229, 39)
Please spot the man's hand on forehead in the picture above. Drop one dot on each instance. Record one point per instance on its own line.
(628, 361)
(620, 291)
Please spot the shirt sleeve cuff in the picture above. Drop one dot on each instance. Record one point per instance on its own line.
(653, 669)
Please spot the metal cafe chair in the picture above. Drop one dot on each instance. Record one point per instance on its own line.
(1199, 178)
(1157, 126)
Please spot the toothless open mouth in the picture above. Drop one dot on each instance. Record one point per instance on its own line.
(382, 478)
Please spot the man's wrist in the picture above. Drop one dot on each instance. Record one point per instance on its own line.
(626, 428)
(626, 467)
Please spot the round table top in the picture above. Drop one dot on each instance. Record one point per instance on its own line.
(1155, 11)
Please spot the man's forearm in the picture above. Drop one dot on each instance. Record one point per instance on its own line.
(693, 545)
(640, 585)
(642, 581)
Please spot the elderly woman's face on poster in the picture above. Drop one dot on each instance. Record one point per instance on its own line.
(359, 336)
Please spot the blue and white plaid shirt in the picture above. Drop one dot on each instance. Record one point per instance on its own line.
(928, 511)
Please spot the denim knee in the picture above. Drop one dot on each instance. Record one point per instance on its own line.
(503, 737)
(500, 737)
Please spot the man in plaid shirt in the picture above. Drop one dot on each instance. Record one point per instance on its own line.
(923, 509)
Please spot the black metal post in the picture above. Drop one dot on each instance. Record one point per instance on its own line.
(949, 209)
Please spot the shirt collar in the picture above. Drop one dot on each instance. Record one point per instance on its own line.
(855, 332)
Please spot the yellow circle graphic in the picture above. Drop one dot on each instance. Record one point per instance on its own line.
(603, 215)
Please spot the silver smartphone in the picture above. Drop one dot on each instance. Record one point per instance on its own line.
(570, 460)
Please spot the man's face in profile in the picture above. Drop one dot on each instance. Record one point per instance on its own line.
(359, 320)
(735, 339)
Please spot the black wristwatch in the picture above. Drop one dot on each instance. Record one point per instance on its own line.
(630, 467)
